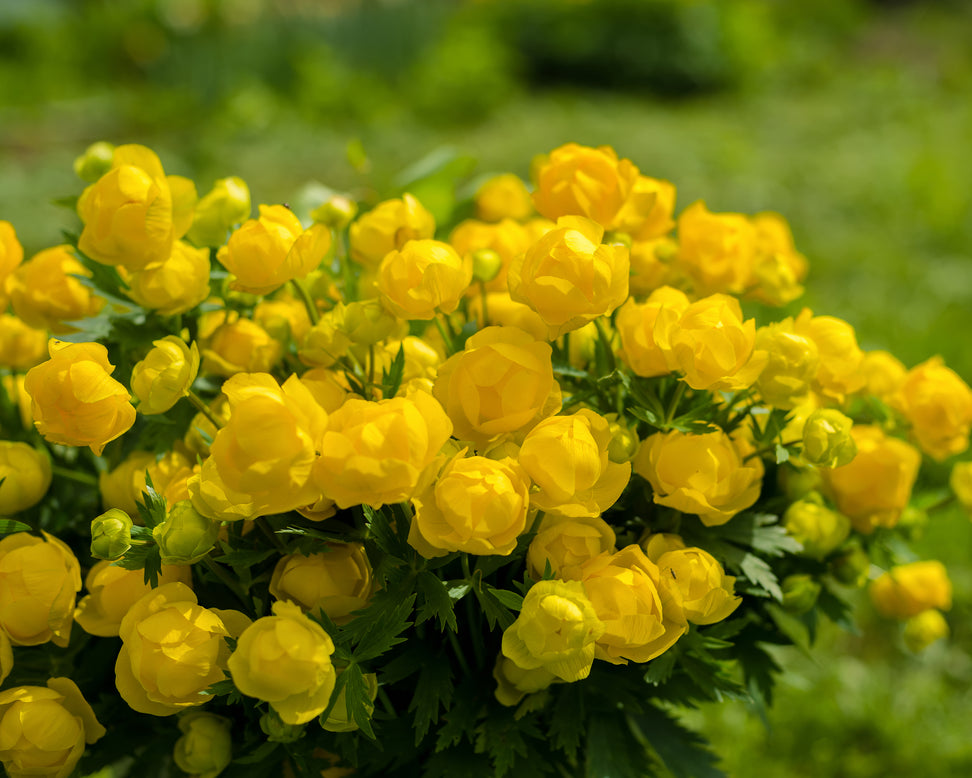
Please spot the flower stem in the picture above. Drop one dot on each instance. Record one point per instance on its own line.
(306, 299)
(446, 335)
(673, 405)
(272, 536)
(602, 335)
(72, 475)
(227, 580)
(200, 406)
(482, 292)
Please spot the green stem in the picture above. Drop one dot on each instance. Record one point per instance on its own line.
(673, 405)
(200, 406)
(387, 703)
(602, 335)
(272, 536)
(446, 336)
(482, 292)
(457, 649)
(371, 365)
(72, 475)
(306, 299)
(229, 582)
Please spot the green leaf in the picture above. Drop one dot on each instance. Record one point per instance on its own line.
(511, 600)
(759, 572)
(8, 526)
(339, 684)
(433, 690)
(436, 602)
(151, 507)
(261, 753)
(568, 719)
(502, 736)
(391, 379)
(761, 532)
(660, 668)
(460, 720)
(245, 557)
(380, 527)
(495, 611)
(612, 750)
(359, 701)
(685, 753)
(379, 626)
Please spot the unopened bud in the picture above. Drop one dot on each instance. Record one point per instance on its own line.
(111, 535)
(924, 629)
(336, 212)
(819, 529)
(800, 593)
(227, 204)
(205, 748)
(277, 731)
(186, 536)
(827, 440)
(486, 264)
(95, 162)
(851, 567)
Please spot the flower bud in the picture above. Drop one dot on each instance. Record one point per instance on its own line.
(924, 629)
(205, 748)
(111, 535)
(227, 204)
(624, 443)
(800, 593)
(278, 731)
(25, 475)
(163, 378)
(486, 265)
(960, 482)
(339, 720)
(827, 440)
(819, 529)
(851, 566)
(336, 212)
(797, 482)
(95, 162)
(186, 536)
(907, 590)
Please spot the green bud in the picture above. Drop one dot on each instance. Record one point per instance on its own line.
(618, 238)
(800, 593)
(486, 264)
(913, 522)
(924, 629)
(111, 535)
(205, 748)
(624, 443)
(277, 731)
(819, 529)
(226, 205)
(336, 212)
(338, 720)
(827, 440)
(95, 162)
(367, 322)
(186, 536)
(796, 482)
(852, 566)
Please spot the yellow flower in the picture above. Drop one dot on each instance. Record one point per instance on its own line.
(177, 285)
(11, 255)
(513, 683)
(652, 265)
(233, 345)
(637, 325)
(374, 452)
(21, 346)
(423, 278)
(74, 399)
(711, 345)
(579, 180)
(567, 542)
(186, 536)
(112, 590)
(960, 481)
(569, 277)
(265, 253)
(336, 581)
(505, 240)
(206, 747)
(261, 461)
(172, 650)
(717, 250)
(883, 374)
(226, 204)
(555, 631)
(503, 197)
(938, 404)
(817, 528)
(875, 487)
(285, 317)
(827, 439)
(165, 375)
(778, 268)
(839, 373)
(503, 311)
(122, 487)
(476, 505)
(387, 227)
(43, 731)
(792, 362)
(647, 213)
(285, 659)
(134, 213)
(907, 590)
(501, 382)
(25, 475)
(699, 584)
(924, 629)
(708, 475)
(641, 619)
(567, 457)
(39, 578)
(45, 294)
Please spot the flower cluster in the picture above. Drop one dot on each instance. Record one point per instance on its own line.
(334, 478)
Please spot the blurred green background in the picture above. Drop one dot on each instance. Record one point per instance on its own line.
(852, 118)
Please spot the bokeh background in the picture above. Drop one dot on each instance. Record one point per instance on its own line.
(852, 118)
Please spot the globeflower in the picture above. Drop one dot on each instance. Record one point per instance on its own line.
(165, 375)
(839, 371)
(569, 277)
(74, 399)
(717, 250)
(176, 285)
(336, 581)
(387, 227)
(566, 543)
(637, 325)
(907, 590)
(938, 404)
(423, 278)
(25, 475)
(503, 197)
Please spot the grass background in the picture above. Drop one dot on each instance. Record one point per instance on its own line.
(853, 120)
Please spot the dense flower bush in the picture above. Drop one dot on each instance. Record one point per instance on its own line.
(363, 495)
